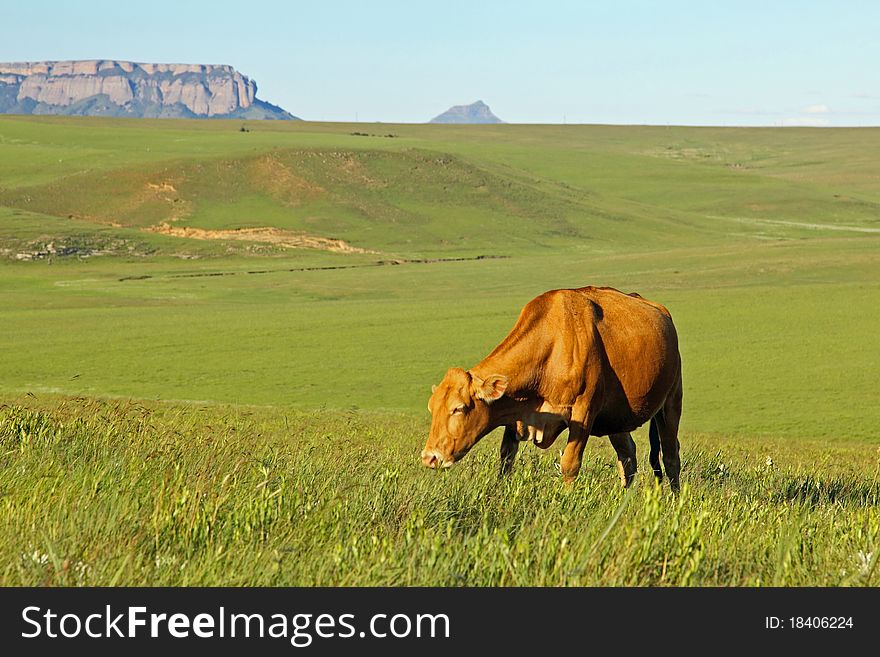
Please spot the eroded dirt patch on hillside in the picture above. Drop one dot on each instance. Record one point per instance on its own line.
(267, 235)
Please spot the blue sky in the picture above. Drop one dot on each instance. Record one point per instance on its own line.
(696, 63)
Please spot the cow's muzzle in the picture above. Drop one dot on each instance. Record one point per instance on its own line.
(433, 459)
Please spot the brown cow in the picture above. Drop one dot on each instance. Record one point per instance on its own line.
(594, 360)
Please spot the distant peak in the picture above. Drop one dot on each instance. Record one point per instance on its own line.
(476, 112)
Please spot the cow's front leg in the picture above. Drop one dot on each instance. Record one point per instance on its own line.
(570, 463)
(626, 456)
(509, 447)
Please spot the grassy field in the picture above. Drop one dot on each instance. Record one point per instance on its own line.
(226, 411)
(126, 493)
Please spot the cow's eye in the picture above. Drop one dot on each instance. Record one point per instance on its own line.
(457, 409)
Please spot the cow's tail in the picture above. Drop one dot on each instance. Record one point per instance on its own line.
(654, 457)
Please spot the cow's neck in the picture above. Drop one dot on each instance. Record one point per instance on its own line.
(521, 395)
(508, 410)
(508, 359)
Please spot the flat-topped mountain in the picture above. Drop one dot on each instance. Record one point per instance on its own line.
(104, 87)
(477, 112)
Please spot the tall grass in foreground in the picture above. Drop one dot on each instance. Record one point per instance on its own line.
(115, 493)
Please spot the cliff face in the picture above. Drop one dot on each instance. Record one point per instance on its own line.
(116, 88)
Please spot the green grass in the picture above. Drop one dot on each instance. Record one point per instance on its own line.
(127, 494)
(778, 339)
(309, 370)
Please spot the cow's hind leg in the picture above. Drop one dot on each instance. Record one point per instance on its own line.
(654, 456)
(509, 447)
(626, 456)
(667, 426)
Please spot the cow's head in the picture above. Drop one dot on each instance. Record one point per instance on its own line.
(460, 415)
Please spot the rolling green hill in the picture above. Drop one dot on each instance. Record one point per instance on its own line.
(759, 240)
(278, 300)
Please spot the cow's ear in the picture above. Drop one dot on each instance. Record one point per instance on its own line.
(490, 388)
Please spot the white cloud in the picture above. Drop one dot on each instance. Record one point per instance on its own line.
(817, 109)
(805, 122)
